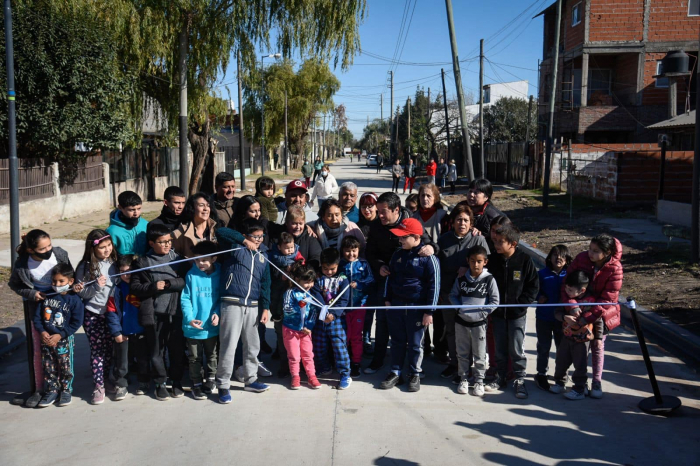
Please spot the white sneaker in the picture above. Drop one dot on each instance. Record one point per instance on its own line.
(478, 389)
(463, 388)
(557, 389)
(574, 395)
(263, 371)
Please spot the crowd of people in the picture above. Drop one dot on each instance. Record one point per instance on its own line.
(192, 291)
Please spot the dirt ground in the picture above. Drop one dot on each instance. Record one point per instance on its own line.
(657, 275)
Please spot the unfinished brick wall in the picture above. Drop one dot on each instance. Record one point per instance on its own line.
(669, 21)
(616, 20)
(573, 35)
(639, 172)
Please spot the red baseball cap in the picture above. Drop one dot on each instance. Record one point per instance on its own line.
(296, 184)
(410, 226)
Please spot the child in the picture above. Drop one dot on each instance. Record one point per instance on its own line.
(306, 171)
(300, 314)
(412, 203)
(602, 263)
(413, 280)
(478, 287)
(97, 265)
(128, 335)
(573, 348)
(126, 227)
(245, 291)
(159, 290)
(174, 203)
(200, 316)
(284, 254)
(517, 282)
(329, 286)
(546, 325)
(264, 193)
(359, 274)
(57, 318)
(31, 279)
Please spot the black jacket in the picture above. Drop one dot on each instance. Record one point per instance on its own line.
(365, 225)
(483, 220)
(167, 218)
(382, 243)
(143, 286)
(517, 280)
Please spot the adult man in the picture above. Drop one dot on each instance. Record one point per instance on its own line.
(381, 245)
(224, 200)
(380, 162)
(173, 205)
(348, 197)
(430, 171)
(295, 194)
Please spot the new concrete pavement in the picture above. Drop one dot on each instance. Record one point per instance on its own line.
(363, 425)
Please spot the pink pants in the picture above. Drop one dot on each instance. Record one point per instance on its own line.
(355, 321)
(597, 357)
(299, 347)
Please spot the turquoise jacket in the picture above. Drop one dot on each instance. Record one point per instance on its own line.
(200, 299)
(128, 239)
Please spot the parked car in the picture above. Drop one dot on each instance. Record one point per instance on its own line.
(371, 160)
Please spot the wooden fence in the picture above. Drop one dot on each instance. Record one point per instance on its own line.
(36, 180)
(86, 175)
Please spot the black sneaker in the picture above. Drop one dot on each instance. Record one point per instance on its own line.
(541, 382)
(456, 380)
(48, 399)
(391, 381)
(162, 393)
(372, 368)
(64, 399)
(208, 387)
(449, 372)
(355, 371)
(414, 383)
(33, 400)
(177, 390)
(367, 349)
(198, 393)
(120, 393)
(143, 388)
(520, 390)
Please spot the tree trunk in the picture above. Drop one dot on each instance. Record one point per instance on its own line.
(198, 136)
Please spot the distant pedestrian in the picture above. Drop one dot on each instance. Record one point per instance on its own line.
(430, 171)
(442, 173)
(307, 171)
(409, 171)
(396, 173)
(452, 175)
(380, 162)
(318, 166)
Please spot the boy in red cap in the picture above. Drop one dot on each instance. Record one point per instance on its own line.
(414, 281)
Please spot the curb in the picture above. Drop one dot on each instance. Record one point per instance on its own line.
(670, 336)
(11, 337)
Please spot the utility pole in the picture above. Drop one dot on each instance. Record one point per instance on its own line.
(323, 145)
(482, 172)
(408, 144)
(381, 107)
(466, 145)
(182, 121)
(447, 116)
(527, 139)
(286, 139)
(552, 97)
(396, 130)
(241, 160)
(695, 216)
(391, 109)
(427, 125)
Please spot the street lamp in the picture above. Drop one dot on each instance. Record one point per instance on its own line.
(262, 111)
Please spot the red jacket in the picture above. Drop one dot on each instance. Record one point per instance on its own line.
(604, 287)
(431, 168)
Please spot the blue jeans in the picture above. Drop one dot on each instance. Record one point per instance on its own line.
(407, 333)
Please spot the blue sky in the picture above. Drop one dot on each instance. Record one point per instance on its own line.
(513, 44)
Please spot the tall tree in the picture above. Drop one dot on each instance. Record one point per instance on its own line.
(506, 121)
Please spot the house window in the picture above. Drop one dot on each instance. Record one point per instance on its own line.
(599, 80)
(693, 7)
(487, 95)
(576, 14)
(660, 82)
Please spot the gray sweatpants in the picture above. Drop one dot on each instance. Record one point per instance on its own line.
(237, 322)
(576, 353)
(471, 341)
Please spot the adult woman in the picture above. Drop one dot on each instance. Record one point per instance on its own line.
(325, 186)
(453, 255)
(331, 227)
(249, 207)
(479, 199)
(396, 174)
(318, 165)
(368, 212)
(602, 263)
(197, 225)
(430, 212)
(452, 175)
(442, 173)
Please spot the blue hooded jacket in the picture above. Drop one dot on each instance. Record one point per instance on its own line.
(361, 273)
(413, 279)
(245, 274)
(299, 310)
(59, 314)
(201, 299)
(550, 286)
(128, 239)
(123, 311)
(328, 288)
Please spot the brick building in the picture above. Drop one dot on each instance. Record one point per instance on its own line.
(609, 53)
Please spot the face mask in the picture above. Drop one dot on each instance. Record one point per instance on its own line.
(61, 289)
(325, 174)
(44, 255)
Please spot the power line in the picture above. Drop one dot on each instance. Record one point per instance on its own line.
(408, 28)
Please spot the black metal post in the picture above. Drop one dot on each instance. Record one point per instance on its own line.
(262, 113)
(12, 134)
(662, 174)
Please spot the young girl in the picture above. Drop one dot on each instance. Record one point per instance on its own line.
(602, 263)
(264, 192)
(31, 279)
(412, 203)
(546, 326)
(98, 263)
(298, 321)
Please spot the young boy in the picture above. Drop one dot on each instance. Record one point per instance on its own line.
(171, 215)
(284, 254)
(413, 280)
(264, 193)
(126, 227)
(160, 315)
(200, 302)
(478, 287)
(573, 348)
(330, 285)
(245, 290)
(57, 318)
(359, 274)
(518, 283)
(123, 324)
